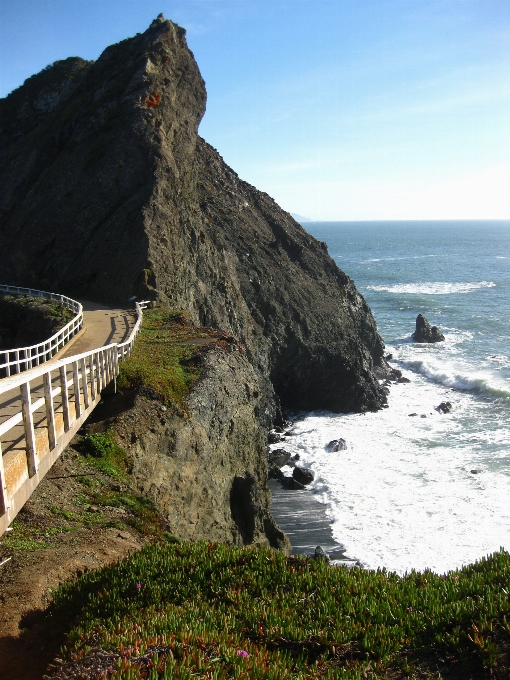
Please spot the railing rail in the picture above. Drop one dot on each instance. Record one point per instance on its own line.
(43, 408)
(24, 358)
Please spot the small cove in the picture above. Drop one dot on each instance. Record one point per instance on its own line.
(403, 495)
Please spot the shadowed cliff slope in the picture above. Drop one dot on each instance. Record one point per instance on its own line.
(108, 191)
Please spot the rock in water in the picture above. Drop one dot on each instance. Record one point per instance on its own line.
(425, 332)
(109, 192)
(278, 458)
(320, 554)
(303, 475)
(444, 407)
(336, 445)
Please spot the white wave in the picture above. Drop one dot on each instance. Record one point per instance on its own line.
(433, 288)
(393, 259)
(403, 494)
(458, 377)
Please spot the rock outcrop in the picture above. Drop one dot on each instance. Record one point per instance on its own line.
(425, 332)
(109, 192)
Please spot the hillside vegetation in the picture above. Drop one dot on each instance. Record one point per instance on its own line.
(204, 610)
(27, 320)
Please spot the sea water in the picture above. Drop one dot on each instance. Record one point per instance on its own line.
(428, 490)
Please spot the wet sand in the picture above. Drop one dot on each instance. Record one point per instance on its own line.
(304, 520)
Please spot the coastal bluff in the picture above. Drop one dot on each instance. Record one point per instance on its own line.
(108, 192)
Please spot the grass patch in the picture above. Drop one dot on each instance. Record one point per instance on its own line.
(143, 515)
(102, 452)
(25, 544)
(210, 611)
(164, 360)
(23, 537)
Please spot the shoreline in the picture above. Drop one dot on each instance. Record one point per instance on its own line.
(303, 519)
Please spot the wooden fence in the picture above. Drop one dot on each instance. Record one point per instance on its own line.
(42, 409)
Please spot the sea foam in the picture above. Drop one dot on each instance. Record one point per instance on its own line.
(432, 288)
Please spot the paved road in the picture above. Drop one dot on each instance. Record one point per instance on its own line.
(103, 326)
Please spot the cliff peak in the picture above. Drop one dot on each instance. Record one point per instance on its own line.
(109, 192)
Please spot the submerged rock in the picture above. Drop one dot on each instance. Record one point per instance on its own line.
(425, 332)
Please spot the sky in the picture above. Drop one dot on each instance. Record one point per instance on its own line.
(338, 109)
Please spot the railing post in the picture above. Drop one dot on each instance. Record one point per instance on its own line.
(3, 488)
(76, 385)
(50, 410)
(115, 367)
(83, 370)
(65, 398)
(28, 421)
(101, 358)
(92, 378)
(98, 372)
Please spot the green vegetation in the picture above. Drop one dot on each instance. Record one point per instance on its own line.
(102, 451)
(210, 611)
(164, 360)
(22, 539)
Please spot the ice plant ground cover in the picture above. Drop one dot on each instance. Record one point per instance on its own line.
(187, 610)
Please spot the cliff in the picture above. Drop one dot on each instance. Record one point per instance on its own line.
(204, 466)
(109, 192)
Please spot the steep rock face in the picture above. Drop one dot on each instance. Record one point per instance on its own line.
(109, 192)
(206, 467)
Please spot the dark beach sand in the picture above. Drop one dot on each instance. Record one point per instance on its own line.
(303, 519)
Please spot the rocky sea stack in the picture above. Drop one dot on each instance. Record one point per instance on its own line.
(425, 332)
(109, 192)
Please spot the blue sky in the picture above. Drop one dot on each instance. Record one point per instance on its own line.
(339, 109)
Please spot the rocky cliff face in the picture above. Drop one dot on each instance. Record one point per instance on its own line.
(107, 191)
(205, 467)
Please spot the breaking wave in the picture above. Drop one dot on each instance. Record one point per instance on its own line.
(433, 288)
(459, 379)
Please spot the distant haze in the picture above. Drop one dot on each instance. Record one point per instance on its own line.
(300, 218)
(380, 109)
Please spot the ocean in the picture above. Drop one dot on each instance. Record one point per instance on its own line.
(429, 490)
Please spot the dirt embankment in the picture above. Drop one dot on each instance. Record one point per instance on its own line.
(61, 532)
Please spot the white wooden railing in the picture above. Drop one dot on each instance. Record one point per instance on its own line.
(42, 409)
(22, 359)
